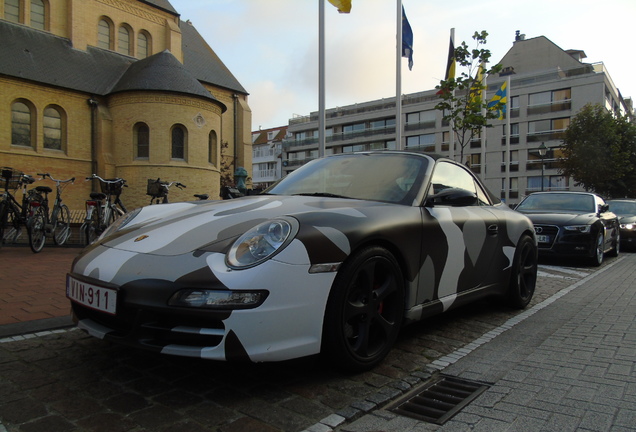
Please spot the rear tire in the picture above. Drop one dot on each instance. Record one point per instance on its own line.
(523, 278)
(91, 228)
(63, 227)
(37, 230)
(365, 311)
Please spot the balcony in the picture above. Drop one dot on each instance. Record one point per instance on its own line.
(564, 105)
(342, 137)
(554, 135)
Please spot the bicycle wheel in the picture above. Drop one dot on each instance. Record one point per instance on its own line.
(62, 230)
(2, 222)
(36, 230)
(10, 228)
(91, 228)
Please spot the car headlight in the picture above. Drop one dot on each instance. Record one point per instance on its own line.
(629, 226)
(120, 222)
(579, 228)
(261, 243)
(218, 299)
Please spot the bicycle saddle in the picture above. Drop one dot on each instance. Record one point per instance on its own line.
(44, 189)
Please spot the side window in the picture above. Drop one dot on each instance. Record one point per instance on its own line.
(451, 176)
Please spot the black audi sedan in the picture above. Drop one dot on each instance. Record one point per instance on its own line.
(573, 224)
(625, 209)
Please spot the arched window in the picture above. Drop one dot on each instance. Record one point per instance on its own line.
(141, 136)
(12, 10)
(103, 34)
(179, 137)
(143, 45)
(38, 14)
(53, 128)
(123, 40)
(21, 124)
(212, 148)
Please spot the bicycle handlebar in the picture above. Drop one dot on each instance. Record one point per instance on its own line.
(117, 180)
(45, 175)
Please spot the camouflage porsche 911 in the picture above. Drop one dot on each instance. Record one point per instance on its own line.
(333, 260)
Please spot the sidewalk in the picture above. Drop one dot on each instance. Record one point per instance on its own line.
(33, 288)
(567, 364)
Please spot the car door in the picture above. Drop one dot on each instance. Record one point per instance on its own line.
(461, 236)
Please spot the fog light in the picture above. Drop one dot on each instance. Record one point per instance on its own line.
(218, 299)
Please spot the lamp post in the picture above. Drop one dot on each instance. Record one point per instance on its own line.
(542, 152)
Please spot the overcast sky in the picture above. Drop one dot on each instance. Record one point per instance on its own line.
(271, 46)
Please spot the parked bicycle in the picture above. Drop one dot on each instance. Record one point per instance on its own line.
(158, 190)
(103, 208)
(55, 222)
(15, 215)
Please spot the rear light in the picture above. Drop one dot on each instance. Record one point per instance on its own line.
(35, 204)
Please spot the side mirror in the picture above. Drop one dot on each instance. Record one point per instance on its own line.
(453, 197)
(602, 208)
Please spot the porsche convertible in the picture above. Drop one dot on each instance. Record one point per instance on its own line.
(333, 259)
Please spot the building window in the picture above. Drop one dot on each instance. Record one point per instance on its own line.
(53, 128)
(141, 136)
(123, 40)
(549, 101)
(12, 10)
(213, 148)
(103, 34)
(21, 124)
(179, 142)
(143, 45)
(38, 20)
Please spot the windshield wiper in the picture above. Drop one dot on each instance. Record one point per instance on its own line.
(322, 194)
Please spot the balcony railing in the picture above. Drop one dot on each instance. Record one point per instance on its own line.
(564, 105)
(341, 137)
(554, 135)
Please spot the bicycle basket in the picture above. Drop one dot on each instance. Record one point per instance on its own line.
(112, 188)
(156, 188)
(12, 178)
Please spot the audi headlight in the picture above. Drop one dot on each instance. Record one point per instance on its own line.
(629, 226)
(261, 243)
(579, 228)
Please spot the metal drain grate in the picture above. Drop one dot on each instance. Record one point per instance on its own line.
(438, 399)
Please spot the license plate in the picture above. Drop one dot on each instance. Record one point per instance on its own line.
(543, 239)
(92, 296)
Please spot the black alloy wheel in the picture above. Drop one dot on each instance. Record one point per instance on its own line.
(523, 278)
(365, 310)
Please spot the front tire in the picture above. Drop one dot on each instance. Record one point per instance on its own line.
(599, 250)
(365, 310)
(523, 278)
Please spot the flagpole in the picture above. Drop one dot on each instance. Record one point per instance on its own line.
(398, 78)
(451, 145)
(507, 185)
(321, 78)
(484, 85)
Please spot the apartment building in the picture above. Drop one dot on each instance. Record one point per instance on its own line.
(120, 88)
(547, 87)
(267, 151)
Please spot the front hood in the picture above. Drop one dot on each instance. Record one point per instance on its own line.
(560, 219)
(174, 229)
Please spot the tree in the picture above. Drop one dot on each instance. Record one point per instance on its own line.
(462, 103)
(599, 152)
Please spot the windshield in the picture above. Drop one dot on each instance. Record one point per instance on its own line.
(623, 208)
(388, 177)
(579, 203)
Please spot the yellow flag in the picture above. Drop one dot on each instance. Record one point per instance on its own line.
(344, 6)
